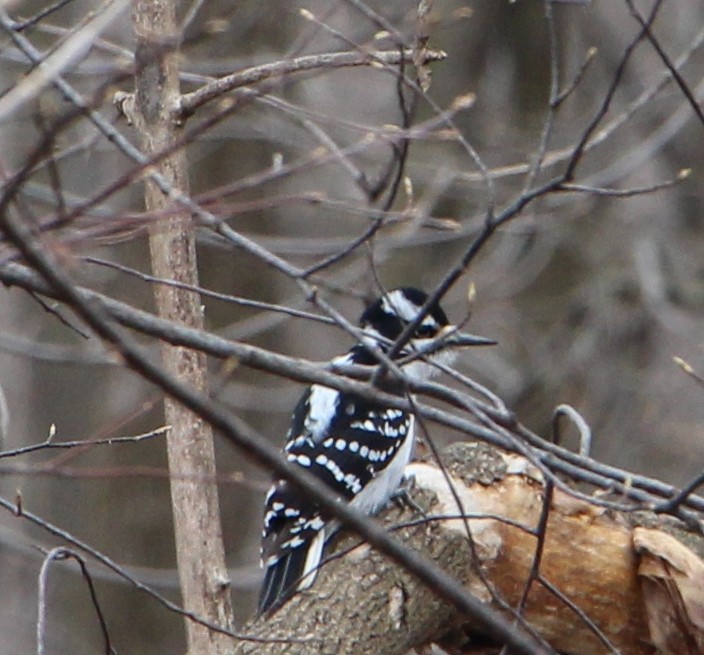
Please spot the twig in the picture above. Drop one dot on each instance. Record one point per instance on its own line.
(49, 309)
(40, 15)
(679, 499)
(684, 87)
(377, 19)
(585, 432)
(553, 104)
(49, 68)
(344, 252)
(570, 88)
(579, 149)
(626, 193)
(50, 444)
(120, 571)
(4, 417)
(242, 302)
(190, 102)
(540, 532)
(583, 616)
(689, 370)
(58, 554)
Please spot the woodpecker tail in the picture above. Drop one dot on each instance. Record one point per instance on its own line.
(293, 570)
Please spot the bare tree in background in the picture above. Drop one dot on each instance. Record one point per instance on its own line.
(542, 153)
(172, 241)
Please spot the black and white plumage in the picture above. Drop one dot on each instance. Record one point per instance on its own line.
(357, 447)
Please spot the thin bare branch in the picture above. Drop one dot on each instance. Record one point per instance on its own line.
(190, 102)
(19, 511)
(646, 25)
(51, 67)
(62, 554)
(49, 443)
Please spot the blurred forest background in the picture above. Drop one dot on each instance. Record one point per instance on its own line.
(589, 294)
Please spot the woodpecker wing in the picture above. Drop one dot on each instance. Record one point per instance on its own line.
(356, 447)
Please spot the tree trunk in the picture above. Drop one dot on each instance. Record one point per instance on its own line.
(199, 546)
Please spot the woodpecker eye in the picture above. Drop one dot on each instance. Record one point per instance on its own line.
(426, 331)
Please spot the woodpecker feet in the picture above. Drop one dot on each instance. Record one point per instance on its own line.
(403, 499)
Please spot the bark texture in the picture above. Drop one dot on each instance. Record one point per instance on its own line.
(364, 604)
(199, 546)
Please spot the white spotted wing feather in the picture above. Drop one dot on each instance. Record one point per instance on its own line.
(359, 450)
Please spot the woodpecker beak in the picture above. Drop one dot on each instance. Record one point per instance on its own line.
(451, 336)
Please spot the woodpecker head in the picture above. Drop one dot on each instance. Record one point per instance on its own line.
(388, 316)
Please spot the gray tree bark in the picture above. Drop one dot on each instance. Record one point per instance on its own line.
(197, 529)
